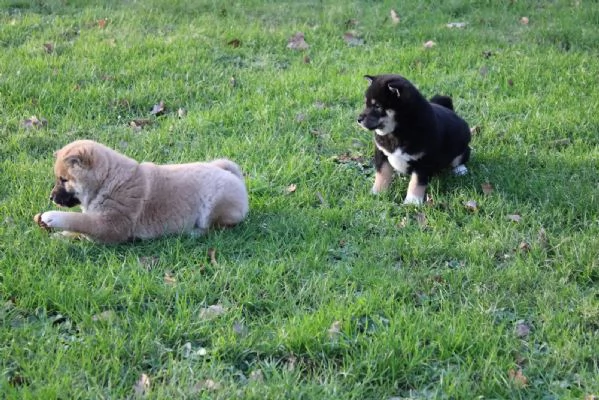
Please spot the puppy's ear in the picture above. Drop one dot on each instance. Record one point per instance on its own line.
(395, 88)
(369, 78)
(82, 160)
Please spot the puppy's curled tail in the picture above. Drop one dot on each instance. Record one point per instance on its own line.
(444, 101)
(228, 165)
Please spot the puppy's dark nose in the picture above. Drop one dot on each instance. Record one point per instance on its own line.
(360, 119)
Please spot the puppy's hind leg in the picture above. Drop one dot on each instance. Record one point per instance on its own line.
(458, 163)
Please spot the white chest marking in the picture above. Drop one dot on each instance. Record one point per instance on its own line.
(400, 160)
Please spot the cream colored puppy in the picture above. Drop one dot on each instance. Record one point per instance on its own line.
(124, 200)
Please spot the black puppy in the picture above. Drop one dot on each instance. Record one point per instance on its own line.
(412, 135)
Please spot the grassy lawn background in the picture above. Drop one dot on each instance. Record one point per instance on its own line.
(325, 291)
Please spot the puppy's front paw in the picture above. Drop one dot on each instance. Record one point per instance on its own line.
(412, 199)
(38, 220)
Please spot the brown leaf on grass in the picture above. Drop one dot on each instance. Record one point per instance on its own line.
(181, 112)
(291, 188)
(335, 329)
(34, 123)
(158, 109)
(394, 17)
(352, 39)
(212, 255)
(524, 247)
(522, 329)
(306, 59)
(169, 279)
(524, 20)
(149, 262)
(107, 315)
(234, 43)
(297, 42)
(102, 23)
(543, 239)
(207, 384)
(403, 223)
(257, 376)
(510, 82)
(518, 378)
(561, 143)
(475, 130)
(291, 362)
(514, 217)
(212, 311)
(483, 71)
(591, 397)
(49, 48)
(17, 380)
(139, 123)
(471, 205)
(456, 25)
(487, 188)
(429, 44)
(142, 386)
(421, 219)
(350, 23)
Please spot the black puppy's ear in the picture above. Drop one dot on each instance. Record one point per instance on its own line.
(369, 78)
(395, 89)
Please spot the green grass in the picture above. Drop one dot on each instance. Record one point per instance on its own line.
(423, 312)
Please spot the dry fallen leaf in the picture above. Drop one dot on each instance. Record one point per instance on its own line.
(394, 17)
(471, 205)
(207, 384)
(429, 44)
(514, 217)
(49, 48)
(291, 188)
(158, 109)
(291, 361)
(142, 386)
(421, 219)
(34, 122)
(524, 247)
(524, 20)
(522, 329)
(518, 378)
(181, 112)
(234, 43)
(352, 40)
(257, 376)
(149, 262)
(403, 223)
(139, 123)
(306, 59)
(456, 25)
(543, 240)
(169, 279)
(212, 311)
(212, 255)
(297, 42)
(475, 130)
(335, 329)
(104, 316)
(102, 23)
(487, 188)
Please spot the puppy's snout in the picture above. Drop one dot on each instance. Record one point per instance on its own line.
(361, 118)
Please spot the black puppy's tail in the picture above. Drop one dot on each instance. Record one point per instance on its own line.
(444, 101)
